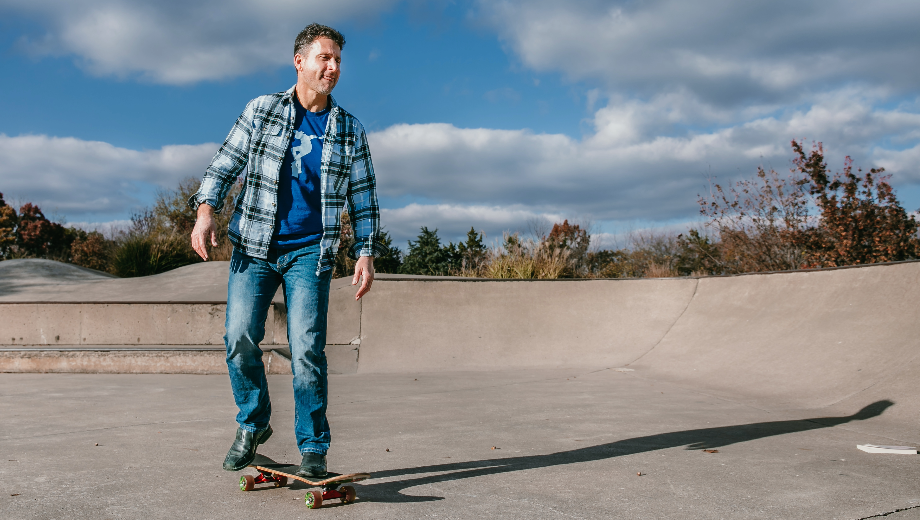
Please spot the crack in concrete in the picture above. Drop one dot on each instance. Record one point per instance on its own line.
(692, 296)
(888, 513)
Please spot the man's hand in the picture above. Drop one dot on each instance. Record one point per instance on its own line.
(364, 269)
(205, 228)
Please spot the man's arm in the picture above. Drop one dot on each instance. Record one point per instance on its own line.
(364, 213)
(227, 164)
(223, 171)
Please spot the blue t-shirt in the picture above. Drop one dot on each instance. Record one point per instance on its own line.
(300, 219)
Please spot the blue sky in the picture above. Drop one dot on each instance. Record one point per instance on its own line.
(486, 114)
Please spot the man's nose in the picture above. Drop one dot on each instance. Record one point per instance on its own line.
(333, 66)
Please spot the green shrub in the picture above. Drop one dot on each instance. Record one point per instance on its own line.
(144, 255)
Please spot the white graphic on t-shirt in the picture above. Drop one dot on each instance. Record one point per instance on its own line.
(304, 148)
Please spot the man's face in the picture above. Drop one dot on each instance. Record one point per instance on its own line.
(319, 69)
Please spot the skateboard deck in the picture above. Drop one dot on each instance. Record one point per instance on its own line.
(278, 474)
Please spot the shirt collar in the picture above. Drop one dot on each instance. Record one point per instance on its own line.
(289, 98)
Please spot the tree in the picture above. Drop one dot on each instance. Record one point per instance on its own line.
(472, 253)
(171, 219)
(862, 221)
(757, 221)
(392, 260)
(573, 239)
(8, 221)
(427, 257)
(698, 255)
(38, 237)
(767, 224)
(91, 250)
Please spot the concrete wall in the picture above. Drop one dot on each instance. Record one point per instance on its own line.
(120, 333)
(114, 324)
(409, 325)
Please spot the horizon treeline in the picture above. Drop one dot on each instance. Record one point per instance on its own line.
(810, 218)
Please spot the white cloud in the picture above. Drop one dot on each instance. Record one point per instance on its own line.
(109, 229)
(176, 41)
(627, 169)
(902, 163)
(725, 52)
(76, 177)
(497, 180)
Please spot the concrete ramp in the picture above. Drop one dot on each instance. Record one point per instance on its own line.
(38, 281)
(790, 340)
(415, 325)
(834, 339)
(801, 340)
(736, 397)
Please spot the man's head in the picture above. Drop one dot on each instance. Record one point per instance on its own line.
(317, 55)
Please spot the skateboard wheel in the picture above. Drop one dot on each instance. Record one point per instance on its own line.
(247, 483)
(348, 494)
(313, 499)
(281, 482)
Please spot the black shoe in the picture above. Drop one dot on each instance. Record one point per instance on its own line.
(243, 451)
(313, 465)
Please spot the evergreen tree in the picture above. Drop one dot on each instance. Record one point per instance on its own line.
(427, 257)
(392, 260)
(471, 253)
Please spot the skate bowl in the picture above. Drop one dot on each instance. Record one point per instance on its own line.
(806, 339)
(686, 398)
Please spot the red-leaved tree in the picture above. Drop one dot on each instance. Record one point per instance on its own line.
(861, 220)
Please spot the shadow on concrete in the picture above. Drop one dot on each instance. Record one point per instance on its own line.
(705, 438)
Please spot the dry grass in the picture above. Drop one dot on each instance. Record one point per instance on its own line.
(659, 271)
(520, 259)
(222, 252)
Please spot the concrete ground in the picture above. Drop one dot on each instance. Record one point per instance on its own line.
(512, 444)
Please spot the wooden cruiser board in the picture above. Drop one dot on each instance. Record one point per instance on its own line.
(278, 474)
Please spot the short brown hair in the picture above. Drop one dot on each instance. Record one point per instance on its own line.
(313, 31)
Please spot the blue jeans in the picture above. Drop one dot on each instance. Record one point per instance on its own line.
(253, 283)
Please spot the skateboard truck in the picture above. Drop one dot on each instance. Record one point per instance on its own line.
(315, 499)
(264, 478)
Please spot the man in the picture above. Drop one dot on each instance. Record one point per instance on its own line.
(306, 158)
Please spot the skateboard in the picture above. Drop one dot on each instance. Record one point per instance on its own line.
(271, 472)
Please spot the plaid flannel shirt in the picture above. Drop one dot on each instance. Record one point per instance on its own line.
(259, 139)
